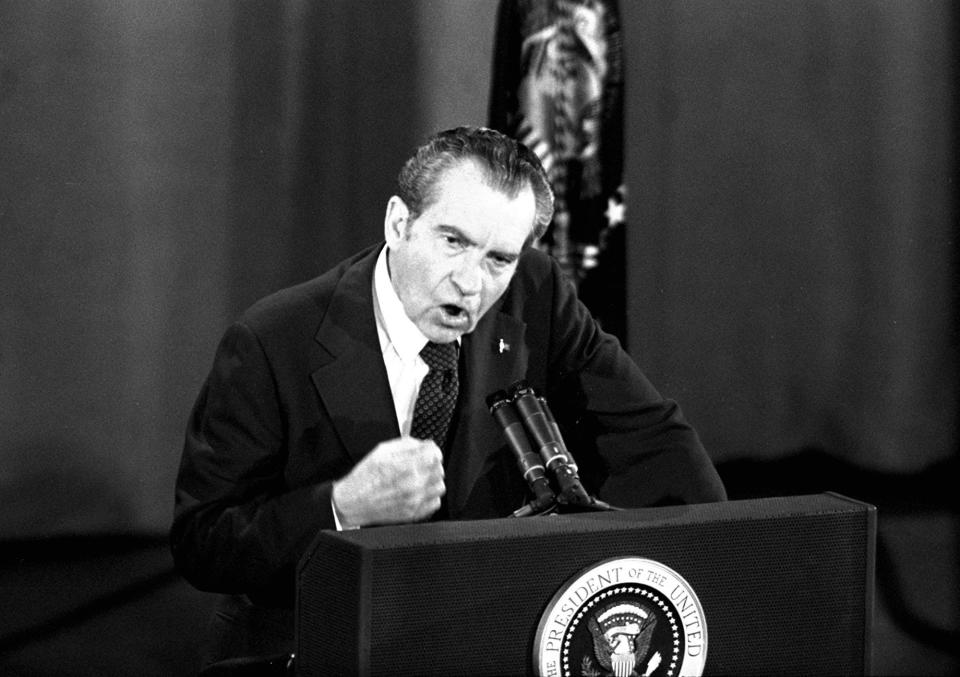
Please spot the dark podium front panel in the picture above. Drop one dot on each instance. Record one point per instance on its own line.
(785, 586)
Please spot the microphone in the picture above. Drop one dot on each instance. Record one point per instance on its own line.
(545, 432)
(532, 469)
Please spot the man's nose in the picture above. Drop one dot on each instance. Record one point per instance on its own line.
(467, 277)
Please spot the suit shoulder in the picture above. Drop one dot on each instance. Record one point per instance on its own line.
(539, 281)
(535, 269)
(303, 304)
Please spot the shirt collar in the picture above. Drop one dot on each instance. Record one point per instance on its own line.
(396, 330)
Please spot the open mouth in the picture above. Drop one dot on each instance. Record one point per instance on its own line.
(454, 315)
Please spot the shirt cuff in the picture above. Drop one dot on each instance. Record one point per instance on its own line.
(336, 516)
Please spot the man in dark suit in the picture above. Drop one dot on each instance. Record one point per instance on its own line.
(311, 417)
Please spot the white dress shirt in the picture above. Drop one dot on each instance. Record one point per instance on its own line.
(400, 344)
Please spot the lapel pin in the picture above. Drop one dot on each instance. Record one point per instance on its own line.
(503, 347)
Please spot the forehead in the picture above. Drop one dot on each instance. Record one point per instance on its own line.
(465, 174)
(464, 198)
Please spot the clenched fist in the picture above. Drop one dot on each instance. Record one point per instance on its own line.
(401, 480)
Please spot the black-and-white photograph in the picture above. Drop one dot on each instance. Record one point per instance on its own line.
(548, 338)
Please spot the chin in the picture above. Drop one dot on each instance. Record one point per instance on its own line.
(446, 334)
(439, 331)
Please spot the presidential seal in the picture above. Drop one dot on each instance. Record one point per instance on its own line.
(623, 617)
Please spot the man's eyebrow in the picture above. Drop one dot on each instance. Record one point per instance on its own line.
(448, 229)
(508, 256)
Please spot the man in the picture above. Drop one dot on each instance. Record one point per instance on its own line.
(310, 417)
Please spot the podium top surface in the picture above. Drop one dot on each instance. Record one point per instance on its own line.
(452, 532)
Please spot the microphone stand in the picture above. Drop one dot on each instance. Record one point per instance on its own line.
(573, 497)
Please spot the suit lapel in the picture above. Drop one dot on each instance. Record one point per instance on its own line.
(350, 375)
(494, 357)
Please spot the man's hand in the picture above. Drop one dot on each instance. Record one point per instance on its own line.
(401, 480)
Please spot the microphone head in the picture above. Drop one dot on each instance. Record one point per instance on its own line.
(519, 388)
(497, 399)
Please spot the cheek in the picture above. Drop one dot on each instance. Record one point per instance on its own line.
(427, 278)
(419, 264)
(409, 283)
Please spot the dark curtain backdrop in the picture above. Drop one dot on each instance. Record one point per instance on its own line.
(115, 176)
(790, 247)
(793, 257)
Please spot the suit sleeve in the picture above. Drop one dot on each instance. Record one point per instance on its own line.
(633, 445)
(238, 527)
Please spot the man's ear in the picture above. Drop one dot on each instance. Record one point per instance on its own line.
(395, 221)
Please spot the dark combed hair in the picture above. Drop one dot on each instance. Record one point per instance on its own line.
(508, 164)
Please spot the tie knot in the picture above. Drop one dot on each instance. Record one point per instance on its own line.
(440, 356)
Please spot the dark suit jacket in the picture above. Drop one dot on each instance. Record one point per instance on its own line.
(298, 393)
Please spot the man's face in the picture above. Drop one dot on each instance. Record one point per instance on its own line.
(452, 263)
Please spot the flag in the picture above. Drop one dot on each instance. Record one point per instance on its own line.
(557, 86)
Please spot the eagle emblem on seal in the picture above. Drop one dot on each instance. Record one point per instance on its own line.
(621, 639)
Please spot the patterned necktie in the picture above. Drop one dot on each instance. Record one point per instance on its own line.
(438, 393)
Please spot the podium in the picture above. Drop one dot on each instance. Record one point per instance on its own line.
(766, 586)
